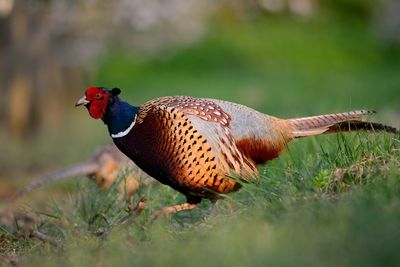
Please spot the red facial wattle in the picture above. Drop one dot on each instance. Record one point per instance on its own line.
(98, 102)
(97, 109)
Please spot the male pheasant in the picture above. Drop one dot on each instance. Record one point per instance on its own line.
(197, 145)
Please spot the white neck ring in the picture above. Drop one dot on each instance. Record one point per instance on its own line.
(125, 132)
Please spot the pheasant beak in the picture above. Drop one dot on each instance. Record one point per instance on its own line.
(82, 101)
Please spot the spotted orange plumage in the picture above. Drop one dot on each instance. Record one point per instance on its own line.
(184, 157)
(197, 146)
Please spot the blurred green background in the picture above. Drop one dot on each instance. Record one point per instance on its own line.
(287, 58)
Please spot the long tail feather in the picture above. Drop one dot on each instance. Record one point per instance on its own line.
(339, 122)
(86, 168)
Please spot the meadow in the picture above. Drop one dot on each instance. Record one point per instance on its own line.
(331, 200)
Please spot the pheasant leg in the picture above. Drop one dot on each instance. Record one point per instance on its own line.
(172, 209)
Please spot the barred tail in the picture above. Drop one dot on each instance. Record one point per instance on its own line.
(86, 168)
(339, 122)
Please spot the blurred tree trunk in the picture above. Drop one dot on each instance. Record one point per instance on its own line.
(32, 81)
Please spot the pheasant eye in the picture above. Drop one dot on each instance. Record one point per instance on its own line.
(97, 96)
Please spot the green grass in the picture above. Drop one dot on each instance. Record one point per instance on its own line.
(327, 201)
(300, 212)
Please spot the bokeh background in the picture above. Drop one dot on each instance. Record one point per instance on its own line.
(283, 57)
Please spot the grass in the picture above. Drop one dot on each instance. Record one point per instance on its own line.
(327, 201)
(300, 212)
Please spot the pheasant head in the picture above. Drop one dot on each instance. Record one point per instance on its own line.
(96, 100)
(105, 104)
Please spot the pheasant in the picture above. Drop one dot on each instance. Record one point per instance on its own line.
(198, 146)
(105, 165)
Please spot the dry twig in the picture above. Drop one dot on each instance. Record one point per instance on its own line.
(45, 238)
(134, 211)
